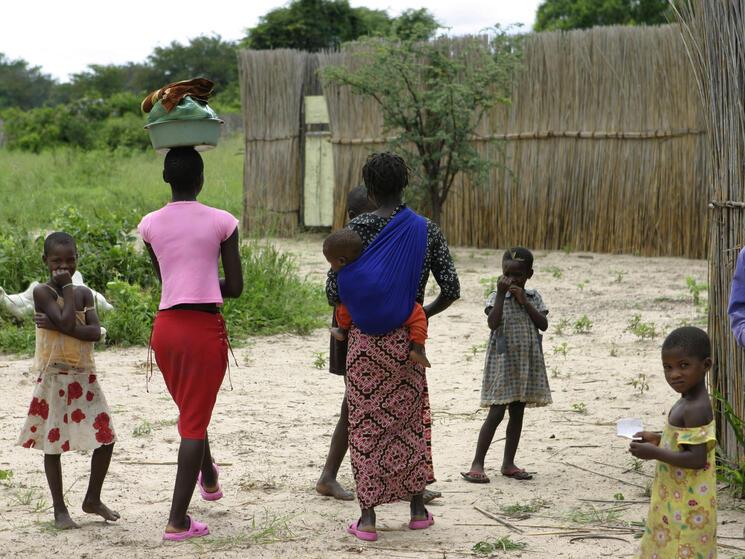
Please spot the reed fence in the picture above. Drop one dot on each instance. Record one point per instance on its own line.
(271, 93)
(602, 148)
(715, 39)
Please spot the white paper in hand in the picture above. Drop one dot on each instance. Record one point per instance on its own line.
(627, 427)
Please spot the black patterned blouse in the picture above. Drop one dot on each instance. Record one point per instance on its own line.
(436, 258)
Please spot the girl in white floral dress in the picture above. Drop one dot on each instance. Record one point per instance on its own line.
(682, 519)
(68, 410)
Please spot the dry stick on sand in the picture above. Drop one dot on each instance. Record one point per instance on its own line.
(495, 517)
(596, 537)
(603, 475)
(141, 463)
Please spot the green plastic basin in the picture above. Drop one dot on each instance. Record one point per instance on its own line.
(201, 133)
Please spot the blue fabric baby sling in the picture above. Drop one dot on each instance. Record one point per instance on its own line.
(380, 287)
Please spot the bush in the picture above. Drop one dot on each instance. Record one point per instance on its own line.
(17, 337)
(274, 299)
(134, 310)
(20, 259)
(124, 132)
(85, 124)
(107, 249)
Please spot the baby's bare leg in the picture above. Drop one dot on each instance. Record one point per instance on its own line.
(53, 471)
(418, 355)
(99, 467)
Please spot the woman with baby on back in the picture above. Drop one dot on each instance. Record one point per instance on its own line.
(514, 371)
(186, 241)
(389, 416)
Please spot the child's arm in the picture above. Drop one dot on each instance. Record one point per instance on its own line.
(494, 317)
(45, 304)
(89, 332)
(539, 318)
(691, 456)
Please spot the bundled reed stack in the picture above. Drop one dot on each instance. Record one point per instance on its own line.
(356, 125)
(715, 37)
(271, 94)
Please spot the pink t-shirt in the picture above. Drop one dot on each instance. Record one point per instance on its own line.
(186, 238)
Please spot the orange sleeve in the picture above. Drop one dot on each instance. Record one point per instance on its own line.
(343, 318)
(417, 323)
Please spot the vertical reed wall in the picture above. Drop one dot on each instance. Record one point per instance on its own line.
(602, 148)
(271, 93)
(715, 38)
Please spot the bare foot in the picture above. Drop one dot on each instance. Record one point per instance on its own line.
(333, 489)
(101, 510)
(427, 496)
(62, 521)
(338, 333)
(417, 355)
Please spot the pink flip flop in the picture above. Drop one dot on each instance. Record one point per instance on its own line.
(367, 536)
(422, 524)
(216, 494)
(195, 530)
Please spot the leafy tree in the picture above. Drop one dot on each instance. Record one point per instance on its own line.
(314, 25)
(106, 80)
(582, 14)
(414, 24)
(210, 57)
(22, 86)
(432, 98)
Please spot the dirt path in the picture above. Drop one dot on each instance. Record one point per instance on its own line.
(271, 433)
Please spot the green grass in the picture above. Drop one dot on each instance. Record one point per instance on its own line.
(34, 187)
(99, 197)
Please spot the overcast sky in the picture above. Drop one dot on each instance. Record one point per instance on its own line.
(63, 38)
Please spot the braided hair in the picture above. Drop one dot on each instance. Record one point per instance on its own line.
(385, 175)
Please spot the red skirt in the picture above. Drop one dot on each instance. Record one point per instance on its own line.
(191, 350)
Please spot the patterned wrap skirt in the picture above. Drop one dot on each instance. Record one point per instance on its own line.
(191, 350)
(390, 425)
(68, 411)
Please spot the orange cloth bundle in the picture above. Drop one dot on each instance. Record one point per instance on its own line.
(171, 95)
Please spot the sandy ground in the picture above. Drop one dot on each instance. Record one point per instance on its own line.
(271, 433)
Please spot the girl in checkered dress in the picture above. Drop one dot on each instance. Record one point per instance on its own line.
(514, 372)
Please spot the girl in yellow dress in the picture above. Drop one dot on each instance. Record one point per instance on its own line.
(682, 519)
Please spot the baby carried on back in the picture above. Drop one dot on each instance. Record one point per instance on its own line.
(379, 288)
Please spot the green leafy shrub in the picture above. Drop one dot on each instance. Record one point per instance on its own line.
(124, 133)
(107, 249)
(20, 259)
(643, 330)
(131, 320)
(274, 299)
(17, 337)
